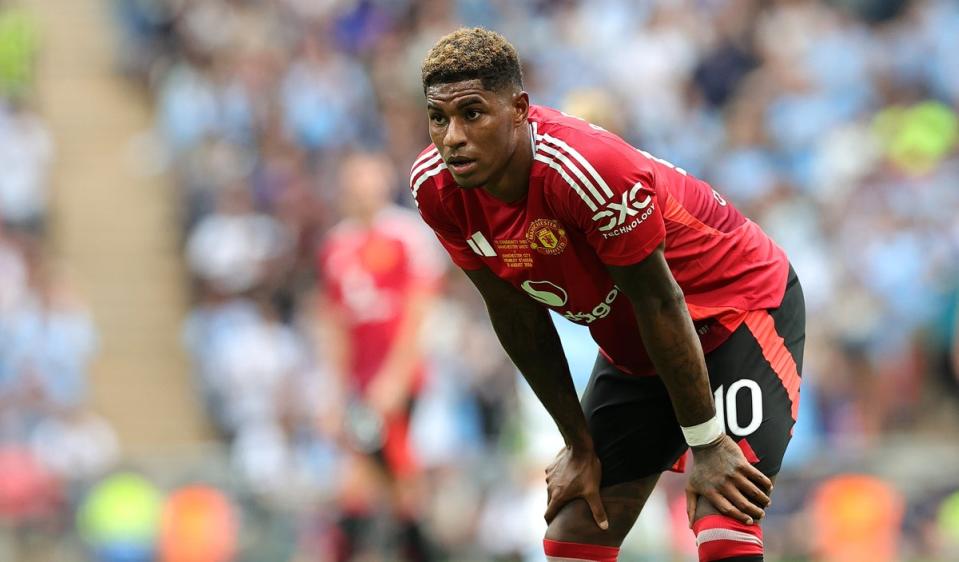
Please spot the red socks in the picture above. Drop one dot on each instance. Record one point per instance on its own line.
(718, 538)
(721, 538)
(574, 552)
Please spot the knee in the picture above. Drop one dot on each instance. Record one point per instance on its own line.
(719, 537)
(575, 524)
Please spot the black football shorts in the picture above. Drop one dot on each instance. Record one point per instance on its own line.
(754, 375)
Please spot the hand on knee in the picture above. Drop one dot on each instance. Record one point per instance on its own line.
(723, 538)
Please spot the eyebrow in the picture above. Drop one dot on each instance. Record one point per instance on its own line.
(468, 100)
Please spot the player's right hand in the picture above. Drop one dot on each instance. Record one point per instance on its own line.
(575, 474)
(722, 475)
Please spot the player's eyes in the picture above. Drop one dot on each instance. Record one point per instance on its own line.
(472, 114)
(438, 119)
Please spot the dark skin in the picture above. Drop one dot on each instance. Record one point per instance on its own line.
(483, 136)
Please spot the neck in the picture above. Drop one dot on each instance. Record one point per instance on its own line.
(513, 183)
(366, 216)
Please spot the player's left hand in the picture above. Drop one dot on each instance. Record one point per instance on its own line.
(386, 395)
(723, 476)
(575, 474)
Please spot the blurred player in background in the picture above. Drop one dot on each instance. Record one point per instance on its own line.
(541, 209)
(379, 278)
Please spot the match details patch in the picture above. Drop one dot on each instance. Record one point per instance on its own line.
(547, 237)
(515, 253)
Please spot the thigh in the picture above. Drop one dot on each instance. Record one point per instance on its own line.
(755, 376)
(631, 420)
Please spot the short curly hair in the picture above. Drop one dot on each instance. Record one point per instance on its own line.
(473, 53)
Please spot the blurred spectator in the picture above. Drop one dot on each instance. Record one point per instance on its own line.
(26, 152)
(187, 106)
(327, 99)
(51, 443)
(252, 364)
(233, 248)
(46, 347)
(211, 323)
(77, 445)
(13, 274)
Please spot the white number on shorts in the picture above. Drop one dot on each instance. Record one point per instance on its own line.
(726, 407)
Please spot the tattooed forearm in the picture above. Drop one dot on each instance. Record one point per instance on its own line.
(527, 334)
(672, 344)
(668, 335)
(529, 337)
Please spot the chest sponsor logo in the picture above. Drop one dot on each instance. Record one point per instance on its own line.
(547, 237)
(601, 310)
(545, 292)
(622, 216)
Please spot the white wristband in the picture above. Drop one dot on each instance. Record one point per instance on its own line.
(704, 433)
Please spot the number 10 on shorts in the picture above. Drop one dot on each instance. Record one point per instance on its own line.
(726, 408)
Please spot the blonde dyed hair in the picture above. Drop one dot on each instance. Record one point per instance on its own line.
(473, 53)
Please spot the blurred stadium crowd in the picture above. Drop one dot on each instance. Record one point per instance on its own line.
(52, 444)
(288, 127)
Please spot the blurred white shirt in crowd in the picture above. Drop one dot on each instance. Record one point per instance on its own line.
(231, 251)
(13, 278)
(26, 152)
(76, 446)
(252, 366)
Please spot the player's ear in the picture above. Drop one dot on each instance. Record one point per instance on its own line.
(520, 104)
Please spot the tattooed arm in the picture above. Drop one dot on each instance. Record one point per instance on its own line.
(668, 335)
(721, 475)
(526, 332)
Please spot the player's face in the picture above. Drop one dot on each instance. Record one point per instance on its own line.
(475, 129)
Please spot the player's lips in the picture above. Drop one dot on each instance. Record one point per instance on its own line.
(460, 165)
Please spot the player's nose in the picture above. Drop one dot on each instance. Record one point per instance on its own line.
(455, 136)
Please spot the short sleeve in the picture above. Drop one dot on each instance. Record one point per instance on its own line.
(430, 207)
(610, 193)
(326, 258)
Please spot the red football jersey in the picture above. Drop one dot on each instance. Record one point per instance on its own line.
(593, 201)
(369, 272)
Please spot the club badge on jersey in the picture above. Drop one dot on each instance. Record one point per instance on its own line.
(547, 236)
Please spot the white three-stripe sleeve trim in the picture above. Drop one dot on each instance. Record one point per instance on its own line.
(483, 244)
(579, 157)
(573, 168)
(429, 154)
(709, 535)
(472, 245)
(554, 165)
(431, 161)
(426, 175)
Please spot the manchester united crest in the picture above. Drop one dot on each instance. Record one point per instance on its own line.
(546, 236)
